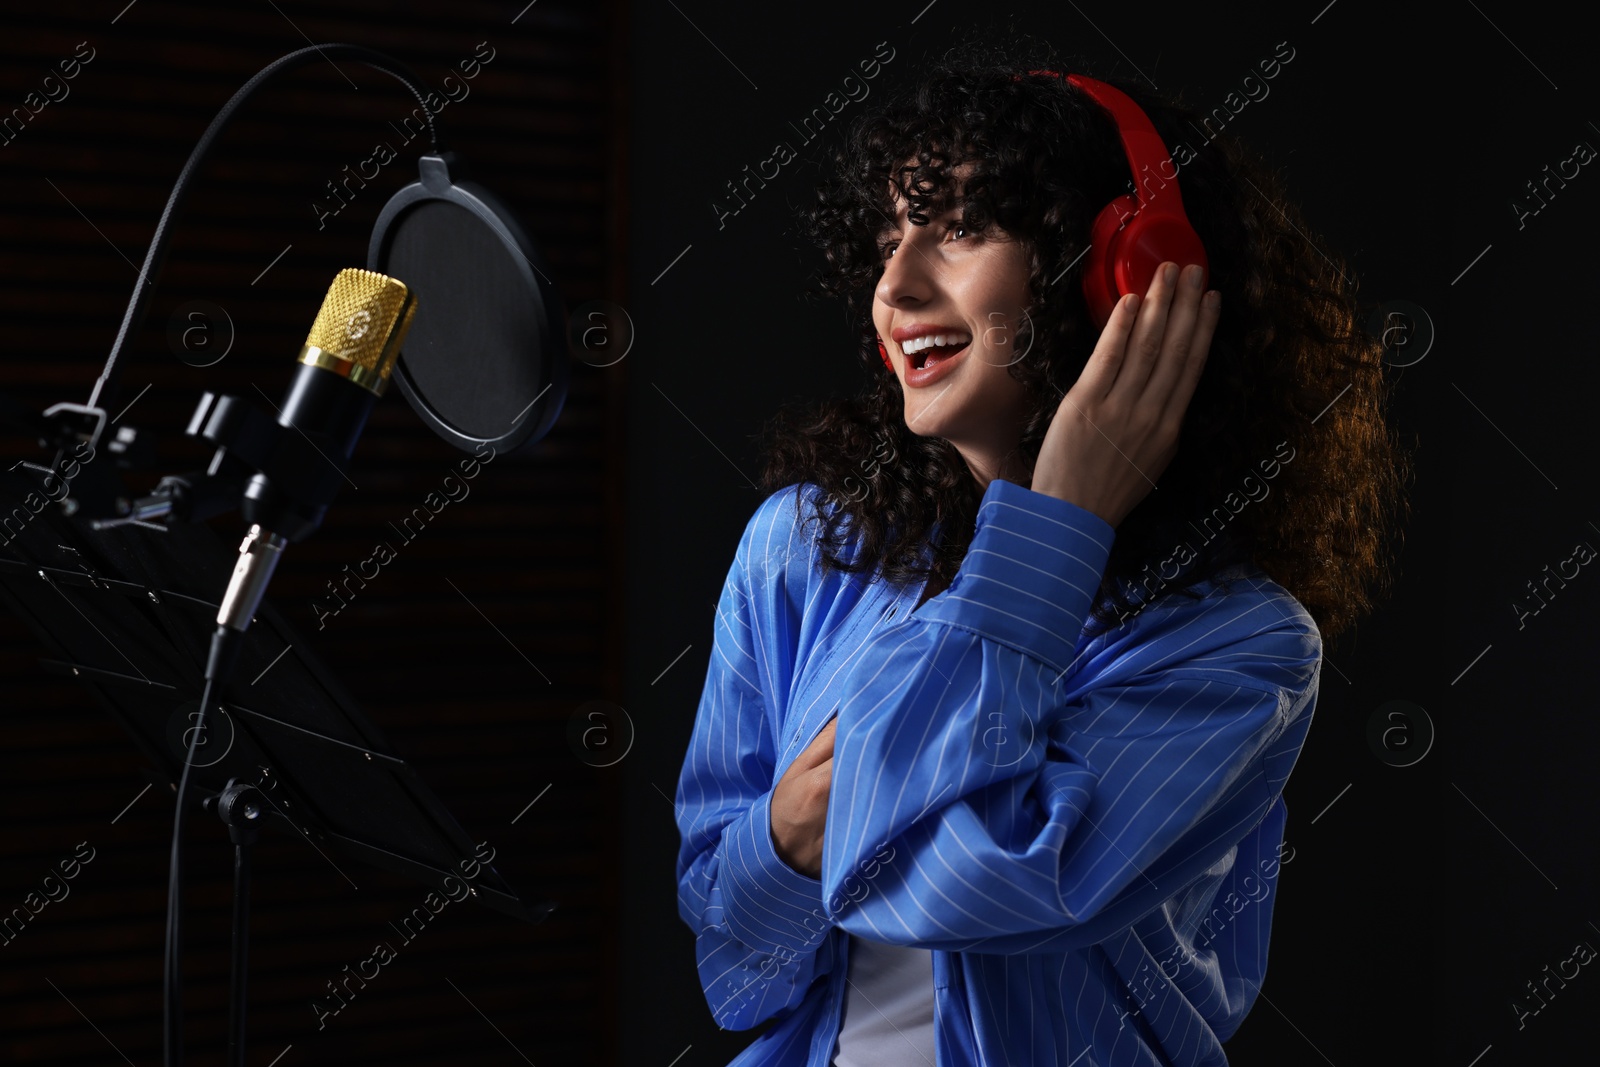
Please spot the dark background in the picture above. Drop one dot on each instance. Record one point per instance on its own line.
(1421, 898)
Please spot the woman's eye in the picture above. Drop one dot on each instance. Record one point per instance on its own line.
(959, 229)
(887, 249)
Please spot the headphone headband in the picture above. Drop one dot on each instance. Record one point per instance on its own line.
(1140, 141)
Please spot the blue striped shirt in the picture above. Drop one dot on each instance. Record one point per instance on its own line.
(1086, 832)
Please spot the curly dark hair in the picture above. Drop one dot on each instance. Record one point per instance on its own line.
(1290, 366)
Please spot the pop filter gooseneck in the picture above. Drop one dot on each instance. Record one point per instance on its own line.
(105, 389)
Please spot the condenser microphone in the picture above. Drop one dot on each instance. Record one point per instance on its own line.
(344, 368)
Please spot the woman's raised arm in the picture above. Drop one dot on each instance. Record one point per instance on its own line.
(1026, 810)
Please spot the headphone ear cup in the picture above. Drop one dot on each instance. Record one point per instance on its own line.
(1123, 259)
(1099, 272)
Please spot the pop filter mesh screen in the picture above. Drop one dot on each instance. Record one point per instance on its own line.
(471, 355)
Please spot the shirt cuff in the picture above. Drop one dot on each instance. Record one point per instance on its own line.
(769, 905)
(1030, 575)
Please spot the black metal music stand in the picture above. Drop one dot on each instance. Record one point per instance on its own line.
(129, 612)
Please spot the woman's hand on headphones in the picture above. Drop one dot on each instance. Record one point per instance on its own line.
(1117, 428)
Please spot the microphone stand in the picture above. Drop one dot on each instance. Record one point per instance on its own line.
(86, 424)
(249, 442)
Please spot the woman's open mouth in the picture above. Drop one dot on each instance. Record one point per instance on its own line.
(928, 365)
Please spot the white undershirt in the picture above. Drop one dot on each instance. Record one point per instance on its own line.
(888, 1008)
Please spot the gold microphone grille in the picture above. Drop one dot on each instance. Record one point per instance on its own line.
(360, 327)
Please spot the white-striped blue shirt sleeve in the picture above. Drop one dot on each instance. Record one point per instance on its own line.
(1146, 778)
(758, 923)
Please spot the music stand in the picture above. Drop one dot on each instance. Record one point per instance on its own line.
(129, 612)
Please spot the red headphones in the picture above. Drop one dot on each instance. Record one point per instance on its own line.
(1130, 237)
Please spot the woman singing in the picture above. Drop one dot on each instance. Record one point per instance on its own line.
(1012, 664)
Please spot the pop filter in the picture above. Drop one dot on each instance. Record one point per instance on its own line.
(486, 359)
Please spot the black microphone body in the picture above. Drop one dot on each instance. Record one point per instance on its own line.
(330, 411)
